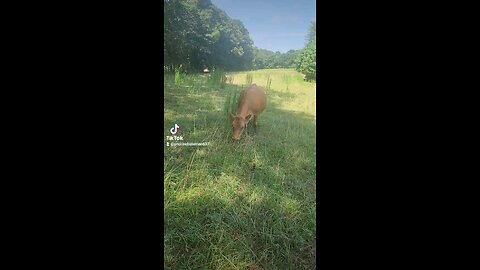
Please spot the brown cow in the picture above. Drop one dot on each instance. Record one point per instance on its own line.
(252, 103)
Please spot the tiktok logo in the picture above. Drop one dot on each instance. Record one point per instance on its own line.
(175, 129)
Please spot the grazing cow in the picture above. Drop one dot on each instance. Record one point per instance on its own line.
(253, 102)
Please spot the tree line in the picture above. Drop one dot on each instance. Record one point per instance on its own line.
(267, 59)
(199, 35)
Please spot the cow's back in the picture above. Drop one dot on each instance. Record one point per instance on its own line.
(254, 99)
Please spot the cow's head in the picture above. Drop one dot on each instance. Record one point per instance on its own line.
(239, 124)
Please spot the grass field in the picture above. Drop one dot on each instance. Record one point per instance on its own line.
(247, 204)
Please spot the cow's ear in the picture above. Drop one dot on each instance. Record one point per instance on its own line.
(248, 117)
(232, 116)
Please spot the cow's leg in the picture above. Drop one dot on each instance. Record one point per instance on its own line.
(255, 123)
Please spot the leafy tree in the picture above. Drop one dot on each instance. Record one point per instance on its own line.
(312, 33)
(288, 59)
(306, 62)
(197, 34)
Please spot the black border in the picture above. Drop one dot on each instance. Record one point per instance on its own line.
(94, 92)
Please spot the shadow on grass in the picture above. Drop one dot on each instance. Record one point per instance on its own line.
(206, 231)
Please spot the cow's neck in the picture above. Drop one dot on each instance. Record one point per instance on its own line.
(243, 111)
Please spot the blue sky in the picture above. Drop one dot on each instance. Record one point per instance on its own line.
(275, 25)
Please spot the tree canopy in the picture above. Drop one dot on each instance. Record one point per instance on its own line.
(312, 33)
(306, 63)
(197, 34)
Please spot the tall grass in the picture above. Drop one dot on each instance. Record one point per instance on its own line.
(286, 80)
(217, 78)
(179, 75)
(269, 82)
(230, 79)
(231, 102)
(249, 79)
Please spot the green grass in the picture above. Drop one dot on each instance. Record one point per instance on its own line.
(240, 205)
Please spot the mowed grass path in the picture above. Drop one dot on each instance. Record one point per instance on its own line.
(240, 205)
